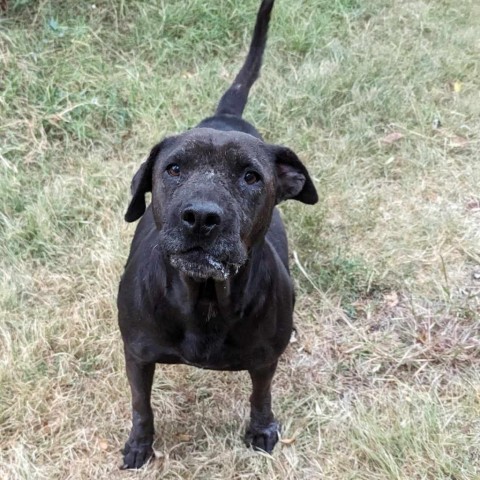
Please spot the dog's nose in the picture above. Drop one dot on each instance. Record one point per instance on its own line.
(202, 218)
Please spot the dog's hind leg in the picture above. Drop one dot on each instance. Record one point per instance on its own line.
(262, 433)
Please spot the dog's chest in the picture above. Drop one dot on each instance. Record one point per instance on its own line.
(203, 349)
(204, 338)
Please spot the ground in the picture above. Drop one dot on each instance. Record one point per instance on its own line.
(380, 98)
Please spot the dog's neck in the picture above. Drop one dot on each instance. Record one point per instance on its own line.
(225, 297)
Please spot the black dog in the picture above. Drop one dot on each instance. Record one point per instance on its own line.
(207, 281)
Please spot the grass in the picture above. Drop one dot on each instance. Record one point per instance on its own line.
(381, 100)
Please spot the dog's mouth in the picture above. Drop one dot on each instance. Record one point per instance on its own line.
(200, 265)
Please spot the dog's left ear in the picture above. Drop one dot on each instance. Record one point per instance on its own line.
(141, 184)
(293, 180)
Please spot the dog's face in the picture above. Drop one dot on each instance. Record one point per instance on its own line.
(213, 194)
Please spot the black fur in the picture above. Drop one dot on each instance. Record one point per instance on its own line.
(207, 281)
(235, 98)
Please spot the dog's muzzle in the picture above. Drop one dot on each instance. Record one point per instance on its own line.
(201, 245)
(200, 265)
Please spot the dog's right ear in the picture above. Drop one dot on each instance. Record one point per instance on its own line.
(141, 184)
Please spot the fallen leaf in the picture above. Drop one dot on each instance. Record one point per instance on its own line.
(473, 204)
(103, 444)
(391, 299)
(392, 138)
(288, 441)
(422, 337)
(457, 141)
(53, 24)
(453, 140)
(293, 337)
(158, 453)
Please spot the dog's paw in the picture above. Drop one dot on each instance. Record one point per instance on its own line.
(262, 438)
(136, 454)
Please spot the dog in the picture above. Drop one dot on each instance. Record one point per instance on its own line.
(207, 281)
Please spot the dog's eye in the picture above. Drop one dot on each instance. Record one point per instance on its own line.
(251, 177)
(173, 170)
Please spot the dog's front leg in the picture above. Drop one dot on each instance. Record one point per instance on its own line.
(138, 448)
(262, 433)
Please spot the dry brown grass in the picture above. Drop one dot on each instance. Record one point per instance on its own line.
(382, 101)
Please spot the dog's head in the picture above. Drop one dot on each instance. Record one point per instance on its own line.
(213, 194)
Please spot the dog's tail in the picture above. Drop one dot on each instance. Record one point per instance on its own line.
(235, 98)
